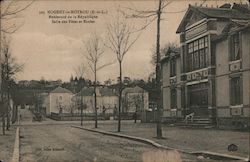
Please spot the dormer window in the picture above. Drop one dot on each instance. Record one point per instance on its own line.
(235, 47)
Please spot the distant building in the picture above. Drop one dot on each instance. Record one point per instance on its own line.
(24, 83)
(55, 82)
(135, 99)
(210, 75)
(107, 99)
(58, 101)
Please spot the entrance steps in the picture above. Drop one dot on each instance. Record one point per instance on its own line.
(198, 122)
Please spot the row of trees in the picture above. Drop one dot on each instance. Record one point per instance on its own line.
(119, 39)
(9, 69)
(8, 65)
(121, 36)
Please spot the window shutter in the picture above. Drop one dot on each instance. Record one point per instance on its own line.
(230, 44)
(240, 45)
(231, 90)
(241, 90)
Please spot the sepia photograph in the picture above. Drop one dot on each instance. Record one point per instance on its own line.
(124, 80)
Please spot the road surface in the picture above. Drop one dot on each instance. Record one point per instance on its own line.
(62, 143)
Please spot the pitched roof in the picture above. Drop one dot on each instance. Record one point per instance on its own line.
(135, 89)
(223, 13)
(104, 91)
(232, 27)
(107, 92)
(60, 90)
(237, 11)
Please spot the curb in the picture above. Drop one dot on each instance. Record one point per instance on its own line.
(138, 139)
(157, 145)
(15, 156)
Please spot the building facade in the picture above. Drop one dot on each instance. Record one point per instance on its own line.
(58, 100)
(135, 99)
(106, 99)
(211, 76)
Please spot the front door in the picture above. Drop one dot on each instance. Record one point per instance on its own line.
(198, 99)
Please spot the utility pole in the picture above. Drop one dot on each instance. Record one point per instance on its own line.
(158, 73)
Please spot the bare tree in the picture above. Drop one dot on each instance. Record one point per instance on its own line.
(80, 70)
(10, 10)
(9, 69)
(121, 37)
(150, 16)
(95, 51)
(163, 51)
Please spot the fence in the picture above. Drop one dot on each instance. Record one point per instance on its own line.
(91, 116)
(76, 117)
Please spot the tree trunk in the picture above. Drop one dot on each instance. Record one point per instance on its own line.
(81, 104)
(95, 104)
(8, 110)
(8, 93)
(3, 123)
(81, 114)
(120, 97)
(158, 74)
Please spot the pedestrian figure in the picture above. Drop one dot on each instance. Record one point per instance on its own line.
(135, 116)
(103, 110)
(115, 110)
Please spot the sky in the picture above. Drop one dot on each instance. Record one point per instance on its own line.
(54, 50)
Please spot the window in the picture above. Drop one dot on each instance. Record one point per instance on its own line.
(198, 95)
(173, 98)
(235, 89)
(172, 67)
(197, 54)
(196, 60)
(235, 45)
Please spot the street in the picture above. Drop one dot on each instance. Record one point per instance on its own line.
(63, 143)
(53, 142)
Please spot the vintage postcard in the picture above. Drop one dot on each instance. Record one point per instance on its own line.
(124, 80)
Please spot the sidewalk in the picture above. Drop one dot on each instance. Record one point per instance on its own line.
(190, 140)
(7, 142)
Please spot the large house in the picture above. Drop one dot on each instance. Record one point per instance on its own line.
(58, 101)
(135, 99)
(107, 100)
(210, 75)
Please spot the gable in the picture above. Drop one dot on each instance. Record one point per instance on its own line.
(61, 90)
(191, 16)
(195, 14)
(194, 17)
